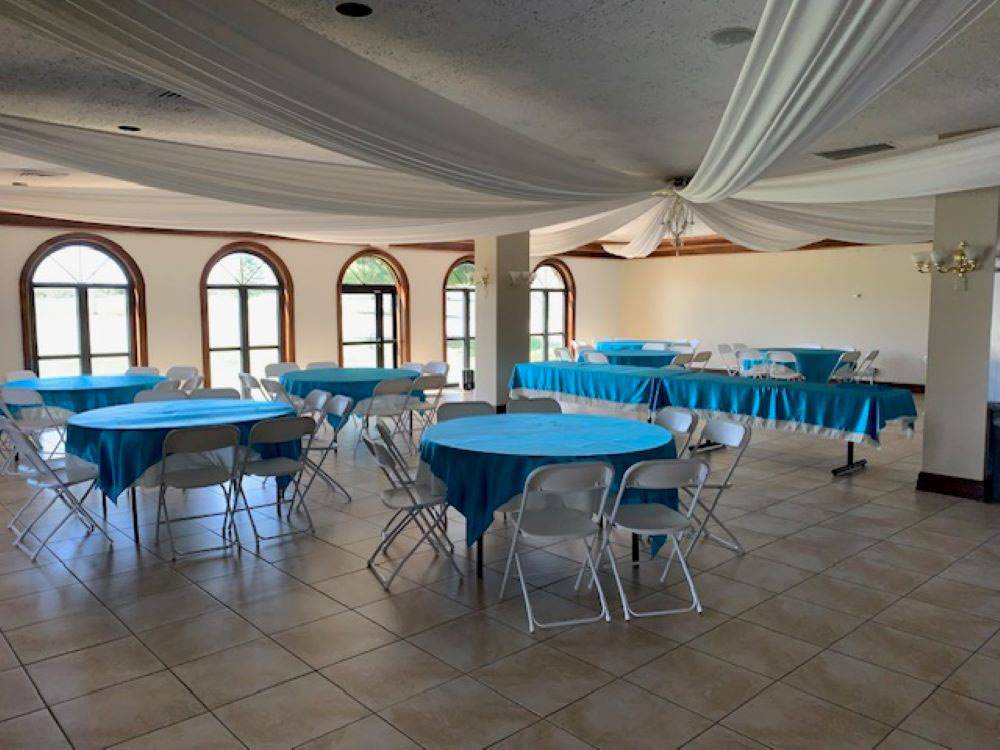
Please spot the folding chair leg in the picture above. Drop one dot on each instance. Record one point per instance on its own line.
(627, 608)
(534, 623)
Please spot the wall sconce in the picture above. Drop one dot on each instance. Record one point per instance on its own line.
(521, 279)
(959, 262)
(481, 277)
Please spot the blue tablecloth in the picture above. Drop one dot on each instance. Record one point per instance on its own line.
(484, 461)
(637, 357)
(126, 440)
(81, 393)
(612, 345)
(851, 411)
(815, 364)
(356, 382)
(632, 386)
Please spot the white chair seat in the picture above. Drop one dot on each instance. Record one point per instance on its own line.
(196, 476)
(279, 466)
(557, 522)
(650, 518)
(398, 498)
(69, 475)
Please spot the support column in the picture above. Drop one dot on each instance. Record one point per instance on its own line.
(958, 348)
(501, 312)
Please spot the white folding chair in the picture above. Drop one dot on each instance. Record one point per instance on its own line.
(323, 365)
(181, 372)
(32, 415)
(432, 388)
(191, 384)
(192, 458)
(414, 366)
(843, 371)
(700, 360)
(654, 346)
(682, 349)
(562, 354)
(595, 357)
(336, 412)
(14, 375)
(436, 368)
(752, 363)
(142, 371)
(277, 369)
(275, 391)
(783, 365)
(581, 350)
(57, 477)
(533, 406)
(656, 519)
(680, 362)
(276, 432)
(736, 437)
(727, 355)
(561, 502)
(678, 421)
(249, 386)
(458, 409)
(388, 401)
(866, 371)
(167, 385)
(143, 397)
(207, 393)
(412, 503)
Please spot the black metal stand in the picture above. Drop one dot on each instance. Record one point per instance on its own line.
(635, 550)
(135, 515)
(479, 557)
(852, 466)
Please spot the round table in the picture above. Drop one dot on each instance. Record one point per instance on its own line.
(484, 461)
(356, 382)
(637, 357)
(612, 345)
(80, 393)
(815, 364)
(124, 441)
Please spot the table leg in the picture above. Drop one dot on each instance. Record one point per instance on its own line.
(852, 466)
(635, 550)
(479, 557)
(104, 505)
(135, 515)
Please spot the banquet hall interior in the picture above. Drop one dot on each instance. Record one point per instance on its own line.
(482, 373)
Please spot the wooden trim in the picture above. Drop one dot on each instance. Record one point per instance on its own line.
(706, 245)
(943, 484)
(286, 290)
(444, 303)
(402, 292)
(137, 328)
(567, 276)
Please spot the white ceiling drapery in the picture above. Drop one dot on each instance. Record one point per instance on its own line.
(811, 66)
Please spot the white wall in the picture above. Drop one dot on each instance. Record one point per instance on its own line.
(172, 265)
(867, 297)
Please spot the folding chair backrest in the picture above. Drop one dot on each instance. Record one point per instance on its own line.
(563, 354)
(393, 387)
(654, 346)
(779, 356)
(533, 406)
(200, 439)
(868, 359)
(582, 349)
(167, 385)
(226, 393)
(143, 397)
(340, 408)
(681, 360)
(182, 372)
(458, 409)
(275, 390)
(436, 368)
(21, 397)
(277, 369)
(315, 403)
(20, 375)
(25, 449)
(581, 486)
(192, 383)
(415, 366)
(702, 358)
(281, 430)
(595, 357)
(666, 474)
(142, 371)
(386, 462)
(429, 383)
(846, 364)
(385, 432)
(676, 420)
(249, 384)
(328, 365)
(724, 432)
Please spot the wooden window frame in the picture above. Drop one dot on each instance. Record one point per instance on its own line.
(569, 333)
(402, 289)
(286, 300)
(138, 353)
(445, 338)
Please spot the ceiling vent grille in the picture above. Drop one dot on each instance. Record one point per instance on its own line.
(850, 153)
(41, 173)
(167, 94)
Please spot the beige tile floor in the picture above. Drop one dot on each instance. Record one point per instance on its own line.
(865, 614)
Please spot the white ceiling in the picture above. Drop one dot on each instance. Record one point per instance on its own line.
(633, 84)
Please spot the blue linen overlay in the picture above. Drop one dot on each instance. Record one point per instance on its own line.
(81, 393)
(355, 382)
(484, 461)
(126, 440)
(611, 345)
(617, 383)
(637, 357)
(815, 364)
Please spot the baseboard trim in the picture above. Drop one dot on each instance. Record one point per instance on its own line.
(943, 484)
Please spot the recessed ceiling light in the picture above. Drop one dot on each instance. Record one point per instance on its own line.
(353, 10)
(130, 128)
(731, 36)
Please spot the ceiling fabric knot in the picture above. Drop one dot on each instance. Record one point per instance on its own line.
(434, 170)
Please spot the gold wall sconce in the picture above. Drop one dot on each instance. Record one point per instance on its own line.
(960, 261)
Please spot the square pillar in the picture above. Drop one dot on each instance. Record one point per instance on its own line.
(502, 312)
(958, 347)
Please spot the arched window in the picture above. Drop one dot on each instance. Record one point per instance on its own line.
(460, 318)
(82, 308)
(372, 319)
(552, 308)
(246, 313)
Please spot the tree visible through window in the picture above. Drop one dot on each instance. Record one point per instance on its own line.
(460, 319)
(82, 312)
(369, 314)
(549, 312)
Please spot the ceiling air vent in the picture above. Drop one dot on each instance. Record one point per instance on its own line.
(41, 173)
(850, 153)
(167, 94)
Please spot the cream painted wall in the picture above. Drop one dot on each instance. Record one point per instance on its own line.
(172, 265)
(867, 297)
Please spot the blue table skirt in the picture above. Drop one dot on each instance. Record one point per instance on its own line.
(82, 393)
(125, 441)
(613, 345)
(484, 461)
(354, 382)
(815, 364)
(637, 358)
(851, 411)
(637, 388)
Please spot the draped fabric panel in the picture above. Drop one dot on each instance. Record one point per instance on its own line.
(811, 66)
